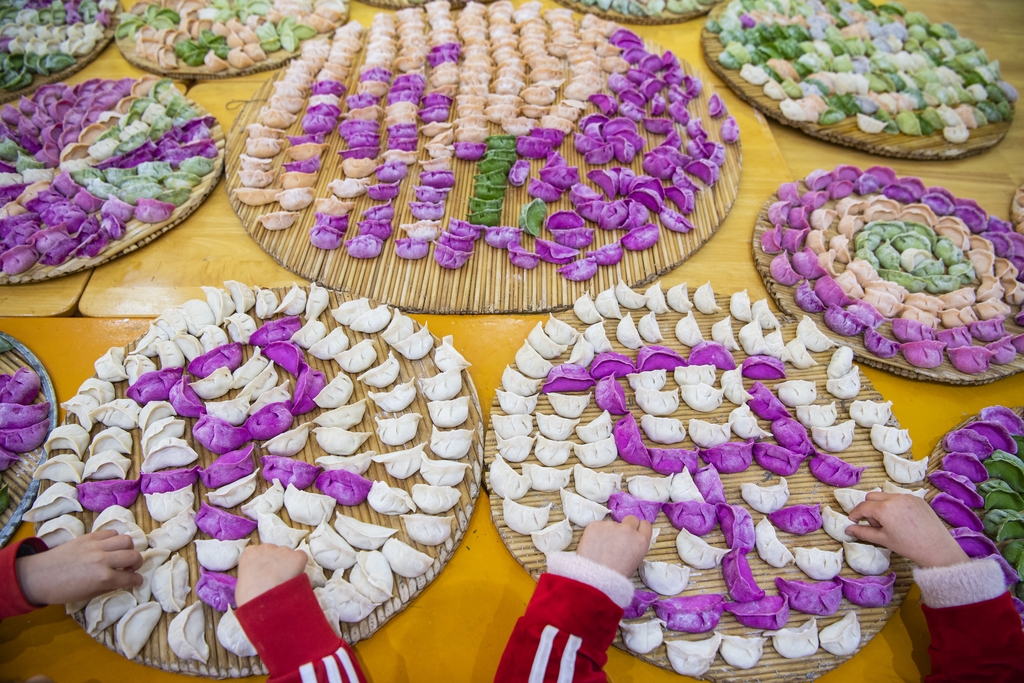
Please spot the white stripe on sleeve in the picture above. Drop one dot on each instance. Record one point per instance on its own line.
(331, 666)
(540, 660)
(567, 667)
(346, 663)
(307, 673)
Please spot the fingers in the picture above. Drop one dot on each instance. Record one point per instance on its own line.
(645, 530)
(879, 497)
(123, 559)
(868, 533)
(631, 522)
(101, 535)
(116, 542)
(869, 509)
(123, 579)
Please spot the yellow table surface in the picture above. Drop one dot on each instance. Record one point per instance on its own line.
(458, 627)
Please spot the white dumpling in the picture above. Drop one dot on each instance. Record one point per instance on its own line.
(835, 525)
(889, 487)
(516, 448)
(233, 411)
(708, 435)
(822, 565)
(428, 529)
(524, 519)
(241, 295)
(752, 339)
(580, 511)
(389, 500)
(703, 398)
(597, 429)
(722, 333)
(358, 358)
(442, 473)
(274, 531)
(732, 387)
(373, 320)
(597, 453)
(338, 441)
(552, 453)
(798, 354)
(152, 559)
(642, 637)
(71, 437)
(543, 344)
(452, 444)
(399, 430)
(451, 413)
(607, 305)
(627, 334)
(220, 303)
(382, 375)
(793, 643)
(65, 468)
(514, 404)
(744, 424)
(232, 637)
(235, 493)
(891, 440)
(678, 298)
(240, 327)
(663, 430)
(776, 346)
(597, 338)
(759, 309)
(741, 652)
(841, 362)
(277, 394)
(704, 300)
(867, 414)
(593, 485)
(186, 634)
(841, 638)
(866, 559)
(628, 297)
(371, 575)
(683, 488)
(288, 443)
(739, 306)
(135, 627)
(219, 556)
(348, 311)
(820, 416)
(567, 405)
(797, 392)
(317, 301)
(513, 381)
(692, 657)
(658, 403)
(416, 345)
(585, 309)
(136, 365)
(560, 332)
(121, 412)
(813, 338)
(330, 346)
(446, 357)
(362, 535)
(164, 506)
(649, 329)
(554, 538)
(110, 366)
(255, 367)
(694, 374)
(402, 464)
(651, 379)
(769, 547)
(60, 530)
(688, 331)
(308, 508)
(698, 553)
(442, 387)
(266, 303)
(664, 578)
(508, 426)
(433, 500)
(105, 610)
(176, 532)
(582, 354)
(269, 502)
(346, 603)
(851, 498)
(170, 585)
(309, 334)
(505, 481)
(650, 488)
(343, 417)
(329, 549)
(845, 387)
(546, 479)
(834, 439)
(405, 560)
(656, 299)
(531, 363)
(102, 391)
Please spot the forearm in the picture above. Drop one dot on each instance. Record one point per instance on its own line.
(12, 599)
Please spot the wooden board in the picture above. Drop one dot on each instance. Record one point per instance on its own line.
(184, 72)
(137, 234)
(21, 487)
(488, 283)
(223, 664)
(784, 297)
(932, 147)
(662, 19)
(804, 489)
(80, 63)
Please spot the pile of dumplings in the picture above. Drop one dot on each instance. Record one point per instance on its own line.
(224, 422)
(728, 406)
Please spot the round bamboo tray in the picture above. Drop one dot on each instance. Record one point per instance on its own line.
(932, 147)
(664, 19)
(488, 283)
(946, 373)
(80, 63)
(224, 664)
(137, 234)
(21, 487)
(804, 489)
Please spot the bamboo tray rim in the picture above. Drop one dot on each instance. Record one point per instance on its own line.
(882, 144)
(665, 19)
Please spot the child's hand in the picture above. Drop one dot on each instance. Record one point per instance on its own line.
(80, 569)
(618, 546)
(266, 566)
(906, 525)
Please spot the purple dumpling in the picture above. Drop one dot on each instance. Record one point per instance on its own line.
(611, 364)
(287, 355)
(219, 435)
(691, 614)
(99, 495)
(673, 460)
(348, 488)
(834, 471)
(567, 377)
(971, 360)
(845, 323)
(16, 416)
(974, 543)
(276, 330)
(629, 443)
(623, 505)
(581, 270)
(226, 356)
(965, 464)
(958, 486)
(729, 457)
(737, 526)
(923, 354)
(820, 598)
(155, 385)
(807, 300)
(955, 513)
(791, 434)
(710, 485)
(869, 591)
(696, 517)
(185, 400)
(229, 467)
(996, 434)
(906, 330)
(968, 441)
(764, 403)
(656, 357)
(289, 471)
(609, 395)
(642, 600)
(797, 519)
(739, 579)
(880, 345)
(223, 525)
(216, 589)
(776, 459)
(309, 384)
(639, 239)
(168, 480)
(1010, 420)
(763, 367)
(269, 421)
(712, 353)
(769, 613)
(782, 271)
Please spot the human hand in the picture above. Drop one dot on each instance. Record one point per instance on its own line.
(80, 569)
(266, 566)
(906, 525)
(618, 546)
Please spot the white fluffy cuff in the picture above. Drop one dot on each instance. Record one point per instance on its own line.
(613, 584)
(960, 584)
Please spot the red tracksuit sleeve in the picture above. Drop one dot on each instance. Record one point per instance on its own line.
(977, 643)
(564, 635)
(292, 636)
(12, 600)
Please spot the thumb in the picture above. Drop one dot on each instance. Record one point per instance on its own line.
(869, 534)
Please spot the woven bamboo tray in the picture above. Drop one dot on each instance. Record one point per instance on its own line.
(275, 60)
(488, 283)
(223, 664)
(784, 297)
(80, 63)
(932, 147)
(664, 19)
(137, 234)
(402, 4)
(21, 487)
(804, 489)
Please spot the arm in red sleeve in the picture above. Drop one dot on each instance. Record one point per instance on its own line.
(981, 642)
(12, 600)
(567, 629)
(293, 638)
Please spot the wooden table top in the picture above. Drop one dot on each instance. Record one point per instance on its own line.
(458, 628)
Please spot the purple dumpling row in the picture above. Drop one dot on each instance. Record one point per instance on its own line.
(23, 424)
